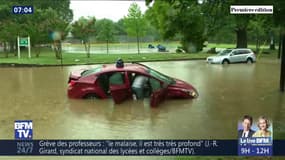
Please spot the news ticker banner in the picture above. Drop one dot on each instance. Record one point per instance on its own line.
(131, 148)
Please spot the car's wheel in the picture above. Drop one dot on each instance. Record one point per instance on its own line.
(90, 96)
(249, 61)
(226, 61)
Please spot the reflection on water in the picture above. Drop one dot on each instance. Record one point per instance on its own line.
(112, 50)
(226, 94)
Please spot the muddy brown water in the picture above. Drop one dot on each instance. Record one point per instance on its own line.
(226, 94)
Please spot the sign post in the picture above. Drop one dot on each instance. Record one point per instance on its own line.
(24, 41)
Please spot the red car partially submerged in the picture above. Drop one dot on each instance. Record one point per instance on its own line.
(98, 83)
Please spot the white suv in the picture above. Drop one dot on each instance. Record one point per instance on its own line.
(233, 56)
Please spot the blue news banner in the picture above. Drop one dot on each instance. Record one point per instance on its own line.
(126, 147)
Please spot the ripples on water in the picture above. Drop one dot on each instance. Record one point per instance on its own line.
(226, 94)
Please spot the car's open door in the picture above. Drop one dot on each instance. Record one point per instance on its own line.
(119, 87)
(120, 92)
(157, 97)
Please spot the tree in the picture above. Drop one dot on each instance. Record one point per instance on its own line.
(49, 17)
(135, 23)
(209, 16)
(10, 27)
(279, 16)
(57, 30)
(82, 29)
(260, 27)
(184, 18)
(120, 28)
(7, 34)
(105, 31)
(241, 22)
(56, 26)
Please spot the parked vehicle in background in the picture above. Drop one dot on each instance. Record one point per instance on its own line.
(161, 48)
(233, 56)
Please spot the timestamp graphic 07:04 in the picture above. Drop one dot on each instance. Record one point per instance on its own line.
(22, 9)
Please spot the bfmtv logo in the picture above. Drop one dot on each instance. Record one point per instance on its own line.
(23, 129)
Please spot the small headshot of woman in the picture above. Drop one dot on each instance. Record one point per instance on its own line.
(263, 125)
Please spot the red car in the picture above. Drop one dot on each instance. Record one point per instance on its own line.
(99, 83)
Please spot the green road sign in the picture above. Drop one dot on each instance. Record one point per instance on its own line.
(24, 42)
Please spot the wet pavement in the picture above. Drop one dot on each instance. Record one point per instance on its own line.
(226, 94)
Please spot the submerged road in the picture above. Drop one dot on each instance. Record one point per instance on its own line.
(226, 94)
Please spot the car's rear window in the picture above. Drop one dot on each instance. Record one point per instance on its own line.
(91, 71)
(225, 52)
(246, 51)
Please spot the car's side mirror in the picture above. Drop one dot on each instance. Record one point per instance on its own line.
(231, 54)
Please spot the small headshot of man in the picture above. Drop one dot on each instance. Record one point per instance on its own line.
(246, 132)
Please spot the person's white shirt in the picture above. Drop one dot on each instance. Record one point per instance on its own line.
(245, 133)
(139, 81)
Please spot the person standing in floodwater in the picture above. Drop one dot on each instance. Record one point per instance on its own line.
(138, 86)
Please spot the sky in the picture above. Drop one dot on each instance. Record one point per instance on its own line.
(114, 10)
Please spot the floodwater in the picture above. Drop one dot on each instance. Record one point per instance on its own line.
(226, 94)
(113, 49)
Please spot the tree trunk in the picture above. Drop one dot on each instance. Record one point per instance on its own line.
(280, 45)
(57, 49)
(138, 44)
(241, 38)
(107, 46)
(15, 48)
(282, 74)
(138, 40)
(38, 51)
(5, 47)
(53, 48)
(5, 50)
(256, 46)
(257, 43)
(11, 47)
(272, 42)
(60, 49)
(87, 48)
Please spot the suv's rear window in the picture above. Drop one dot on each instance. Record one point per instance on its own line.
(242, 51)
(245, 51)
(91, 71)
(225, 52)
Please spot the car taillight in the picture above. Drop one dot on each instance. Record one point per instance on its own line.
(71, 83)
